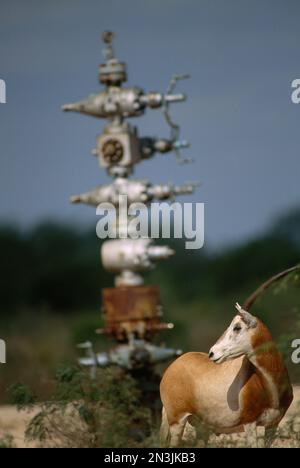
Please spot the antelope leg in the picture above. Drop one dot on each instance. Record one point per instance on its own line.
(176, 432)
(251, 435)
(270, 435)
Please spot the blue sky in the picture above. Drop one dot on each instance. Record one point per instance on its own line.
(243, 128)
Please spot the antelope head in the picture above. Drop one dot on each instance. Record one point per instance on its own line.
(236, 341)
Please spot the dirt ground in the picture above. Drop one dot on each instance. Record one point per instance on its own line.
(14, 423)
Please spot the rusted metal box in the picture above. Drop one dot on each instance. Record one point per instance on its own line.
(132, 311)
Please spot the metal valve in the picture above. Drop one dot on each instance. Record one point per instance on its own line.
(90, 359)
(128, 258)
(137, 354)
(122, 102)
(136, 191)
(119, 147)
(150, 146)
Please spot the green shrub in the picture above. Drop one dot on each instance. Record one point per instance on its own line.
(89, 413)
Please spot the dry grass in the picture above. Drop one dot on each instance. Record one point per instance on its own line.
(14, 423)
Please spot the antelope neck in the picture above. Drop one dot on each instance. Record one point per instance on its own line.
(268, 363)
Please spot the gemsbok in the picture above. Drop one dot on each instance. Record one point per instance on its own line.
(241, 384)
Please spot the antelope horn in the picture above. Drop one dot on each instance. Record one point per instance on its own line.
(246, 316)
(251, 300)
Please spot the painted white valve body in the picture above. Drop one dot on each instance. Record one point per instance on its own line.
(129, 257)
(136, 191)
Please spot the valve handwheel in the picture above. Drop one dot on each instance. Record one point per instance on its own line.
(113, 151)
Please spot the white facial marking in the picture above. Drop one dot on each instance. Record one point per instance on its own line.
(236, 341)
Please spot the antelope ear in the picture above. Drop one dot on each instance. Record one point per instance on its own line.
(249, 319)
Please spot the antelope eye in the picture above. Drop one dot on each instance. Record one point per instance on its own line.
(237, 328)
